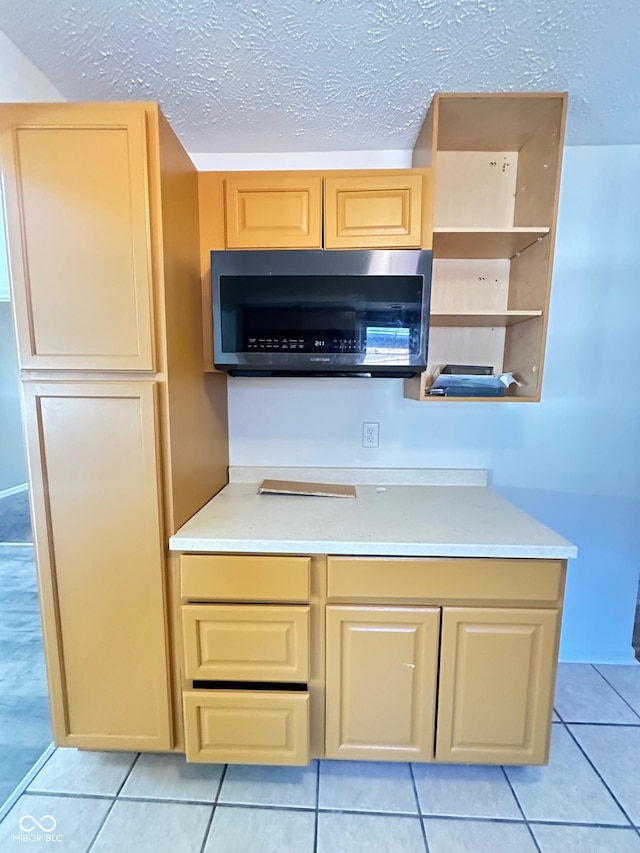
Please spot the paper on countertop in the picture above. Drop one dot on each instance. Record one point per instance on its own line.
(292, 487)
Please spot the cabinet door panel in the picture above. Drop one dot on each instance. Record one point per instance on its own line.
(79, 246)
(497, 671)
(381, 682)
(273, 212)
(95, 493)
(369, 212)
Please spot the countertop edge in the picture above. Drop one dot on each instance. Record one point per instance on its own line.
(372, 549)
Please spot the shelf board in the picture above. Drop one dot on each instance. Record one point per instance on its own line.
(506, 399)
(484, 242)
(482, 318)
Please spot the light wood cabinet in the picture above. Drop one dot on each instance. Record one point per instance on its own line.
(77, 201)
(409, 659)
(244, 577)
(372, 211)
(496, 161)
(247, 667)
(246, 643)
(273, 211)
(381, 682)
(388, 208)
(244, 727)
(486, 646)
(93, 456)
(102, 219)
(497, 674)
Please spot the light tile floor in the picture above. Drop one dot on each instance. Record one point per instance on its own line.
(586, 801)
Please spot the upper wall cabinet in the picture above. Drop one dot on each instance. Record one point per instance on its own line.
(387, 209)
(496, 160)
(273, 211)
(76, 197)
(372, 211)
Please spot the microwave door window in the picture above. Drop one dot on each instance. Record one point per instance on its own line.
(373, 318)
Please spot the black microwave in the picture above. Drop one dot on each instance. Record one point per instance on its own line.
(321, 313)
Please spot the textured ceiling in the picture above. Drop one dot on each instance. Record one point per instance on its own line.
(317, 75)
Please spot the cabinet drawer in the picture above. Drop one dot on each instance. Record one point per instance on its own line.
(444, 580)
(220, 577)
(246, 642)
(246, 727)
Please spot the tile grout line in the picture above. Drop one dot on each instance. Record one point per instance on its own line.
(607, 725)
(598, 774)
(266, 806)
(317, 814)
(68, 795)
(214, 806)
(539, 821)
(615, 690)
(520, 809)
(419, 807)
(113, 802)
(26, 780)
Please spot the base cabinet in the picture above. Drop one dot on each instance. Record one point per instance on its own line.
(92, 455)
(497, 671)
(421, 659)
(381, 682)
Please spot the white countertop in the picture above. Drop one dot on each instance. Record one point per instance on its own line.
(385, 520)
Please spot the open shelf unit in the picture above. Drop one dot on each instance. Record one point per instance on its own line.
(496, 161)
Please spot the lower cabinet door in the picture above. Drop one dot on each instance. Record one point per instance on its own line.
(246, 727)
(497, 675)
(95, 495)
(381, 682)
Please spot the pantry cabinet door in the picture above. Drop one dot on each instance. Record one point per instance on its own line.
(273, 211)
(381, 682)
(363, 212)
(76, 199)
(92, 451)
(497, 675)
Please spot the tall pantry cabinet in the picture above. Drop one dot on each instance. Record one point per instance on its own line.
(126, 437)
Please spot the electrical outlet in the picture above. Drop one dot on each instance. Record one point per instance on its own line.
(370, 435)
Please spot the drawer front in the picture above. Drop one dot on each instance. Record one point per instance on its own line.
(444, 580)
(221, 577)
(246, 642)
(243, 727)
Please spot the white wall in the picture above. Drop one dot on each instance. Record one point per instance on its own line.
(572, 460)
(20, 80)
(272, 160)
